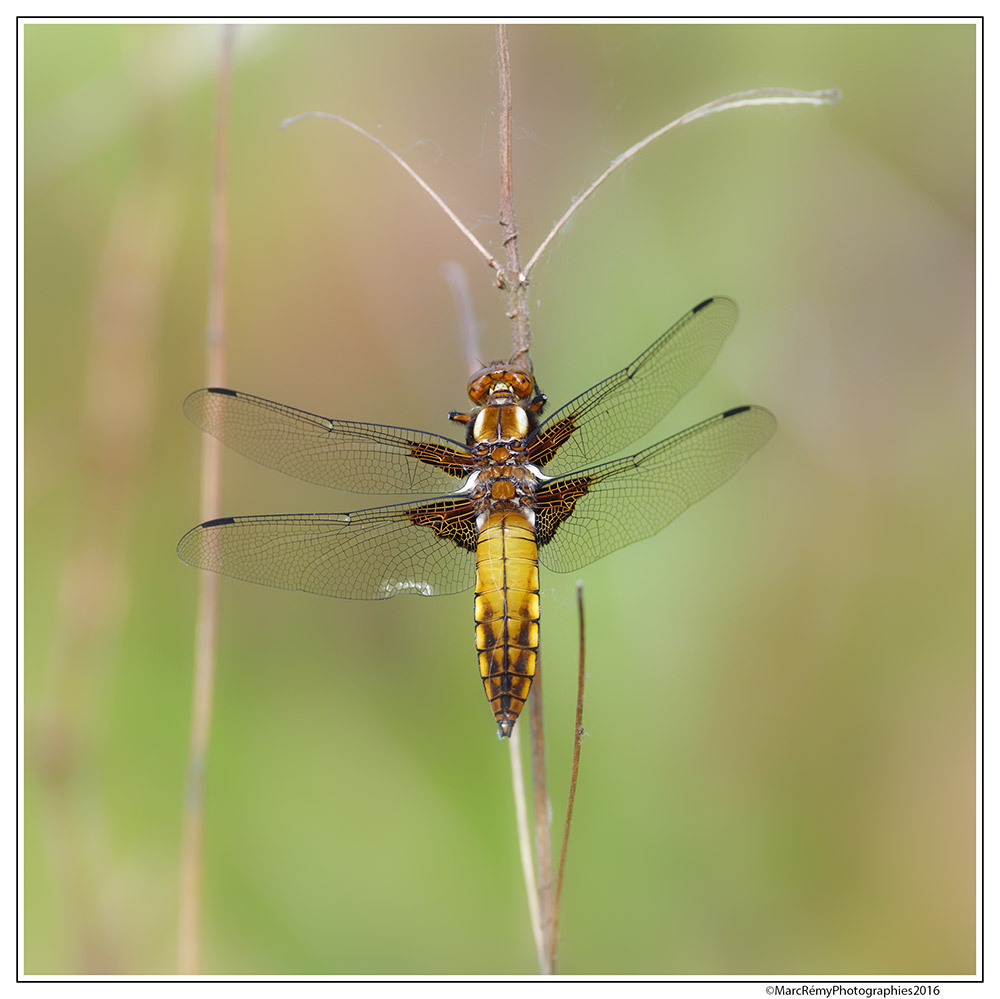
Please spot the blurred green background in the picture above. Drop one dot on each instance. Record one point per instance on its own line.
(779, 776)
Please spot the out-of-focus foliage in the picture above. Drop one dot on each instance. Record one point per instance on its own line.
(779, 774)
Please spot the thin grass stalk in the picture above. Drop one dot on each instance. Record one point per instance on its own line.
(192, 832)
(524, 842)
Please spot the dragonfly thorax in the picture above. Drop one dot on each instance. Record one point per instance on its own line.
(500, 424)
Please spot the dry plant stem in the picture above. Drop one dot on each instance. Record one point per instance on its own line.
(574, 773)
(745, 98)
(516, 283)
(521, 340)
(189, 935)
(438, 200)
(524, 841)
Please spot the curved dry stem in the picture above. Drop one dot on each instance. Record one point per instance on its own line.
(438, 200)
(745, 98)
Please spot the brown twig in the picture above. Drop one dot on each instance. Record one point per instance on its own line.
(192, 835)
(574, 773)
(516, 282)
(521, 340)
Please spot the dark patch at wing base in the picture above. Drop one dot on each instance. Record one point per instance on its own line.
(585, 516)
(449, 461)
(549, 439)
(618, 410)
(451, 519)
(363, 457)
(555, 501)
(365, 555)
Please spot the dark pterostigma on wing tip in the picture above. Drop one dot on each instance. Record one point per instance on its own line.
(219, 521)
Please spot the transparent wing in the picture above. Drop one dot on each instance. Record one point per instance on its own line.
(366, 555)
(360, 457)
(584, 516)
(608, 417)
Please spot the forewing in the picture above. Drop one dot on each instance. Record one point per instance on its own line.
(582, 517)
(424, 548)
(359, 457)
(608, 417)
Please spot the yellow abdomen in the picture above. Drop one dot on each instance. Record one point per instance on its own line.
(507, 613)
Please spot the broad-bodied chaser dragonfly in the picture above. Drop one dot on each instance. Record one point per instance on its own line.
(522, 497)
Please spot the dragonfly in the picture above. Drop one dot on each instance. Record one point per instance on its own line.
(519, 490)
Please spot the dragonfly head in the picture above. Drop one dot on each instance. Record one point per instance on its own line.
(500, 379)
